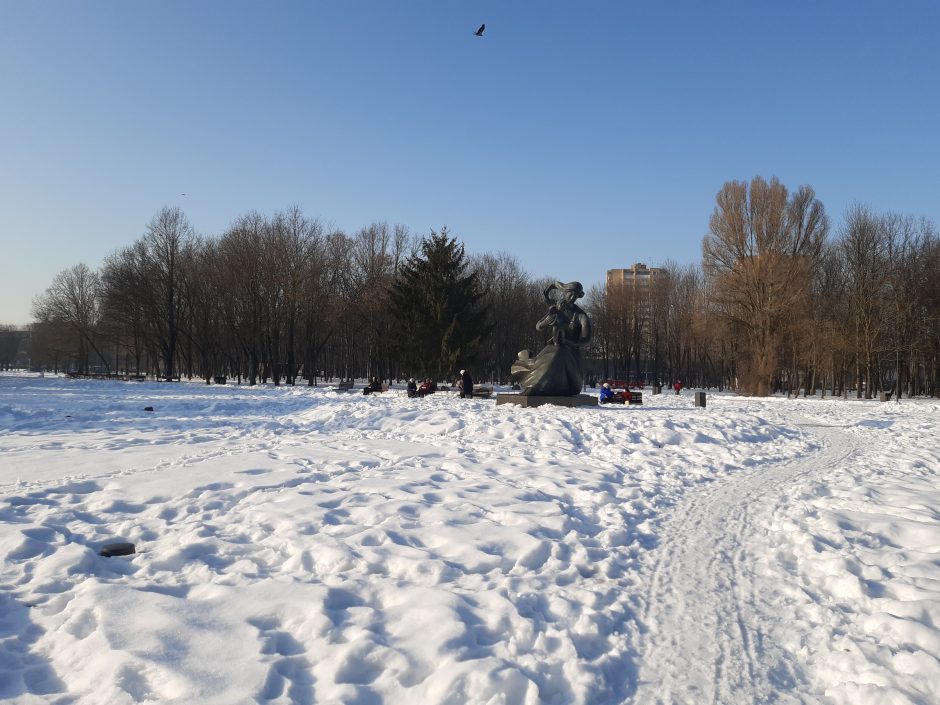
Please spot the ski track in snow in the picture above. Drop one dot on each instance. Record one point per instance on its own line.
(705, 630)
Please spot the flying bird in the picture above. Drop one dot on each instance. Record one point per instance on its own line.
(479, 32)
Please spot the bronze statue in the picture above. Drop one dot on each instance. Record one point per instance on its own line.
(556, 370)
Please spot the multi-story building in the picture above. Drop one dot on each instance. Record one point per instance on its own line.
(639, 280)
(630, 296)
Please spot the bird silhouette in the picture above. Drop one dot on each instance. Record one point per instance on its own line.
(479, 32)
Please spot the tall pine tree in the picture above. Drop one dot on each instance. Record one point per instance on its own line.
(439, 310)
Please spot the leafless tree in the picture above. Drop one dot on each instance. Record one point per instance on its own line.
(11, 339)
(124, 320)
(514, 306)
(72, 300)
(161, 256)
(863, 249)
(762, 247)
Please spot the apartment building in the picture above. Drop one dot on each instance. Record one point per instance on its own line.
(639, 280)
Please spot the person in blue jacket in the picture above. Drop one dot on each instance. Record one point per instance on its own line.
(607, 394)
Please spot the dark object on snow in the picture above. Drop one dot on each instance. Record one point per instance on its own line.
(884, 396)
(481, 391)
(220, 380)
(700, 399)
(479, 32)
(373, 387)
(556, 370)
(466, 385)
(148, 408)
(121, 548)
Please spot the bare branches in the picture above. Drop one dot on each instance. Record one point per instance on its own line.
(762, 247)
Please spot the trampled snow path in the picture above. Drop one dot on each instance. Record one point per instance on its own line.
(706, 640)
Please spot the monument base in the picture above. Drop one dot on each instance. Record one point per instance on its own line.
(525, 400)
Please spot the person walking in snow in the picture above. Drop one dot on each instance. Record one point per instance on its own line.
(677, 386)
(466, 385)
(412, 387)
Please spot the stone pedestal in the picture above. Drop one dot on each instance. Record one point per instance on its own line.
(700, 399)
(527, 401)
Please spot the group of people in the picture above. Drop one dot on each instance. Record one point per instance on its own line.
(373, 387)
(464, 383)
(609, 396)
(428, 386)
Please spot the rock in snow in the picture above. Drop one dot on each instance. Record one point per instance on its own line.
(120, 548)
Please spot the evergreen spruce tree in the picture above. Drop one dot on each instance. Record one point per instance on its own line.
(439, 310)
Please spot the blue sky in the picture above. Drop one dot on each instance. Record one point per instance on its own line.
(576, 136)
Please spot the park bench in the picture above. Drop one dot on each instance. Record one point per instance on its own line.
(482, 392)
(369, 390)
(620, 397)
(344, 386)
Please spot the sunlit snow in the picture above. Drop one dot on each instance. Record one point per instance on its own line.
(303, 545)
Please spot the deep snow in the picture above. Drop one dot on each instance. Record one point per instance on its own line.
(301, 545)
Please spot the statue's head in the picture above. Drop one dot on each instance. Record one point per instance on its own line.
(574, 290)
(568, 293)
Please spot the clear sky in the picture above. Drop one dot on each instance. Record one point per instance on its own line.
(578, 136)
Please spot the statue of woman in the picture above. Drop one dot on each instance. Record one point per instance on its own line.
(556, 370)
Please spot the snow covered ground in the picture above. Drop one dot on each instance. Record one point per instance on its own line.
(301, 545)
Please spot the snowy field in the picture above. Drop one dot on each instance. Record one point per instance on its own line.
(301, 545)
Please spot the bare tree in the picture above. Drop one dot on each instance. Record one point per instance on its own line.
(124, 319)
(509, 297)
(241, 281)
(72, 300)
(863, 250)
(762, 246)
(160, 258)
(11, 340)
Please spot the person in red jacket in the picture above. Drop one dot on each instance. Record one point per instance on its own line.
(677, 386)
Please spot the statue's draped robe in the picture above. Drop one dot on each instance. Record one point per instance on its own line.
(556, 370)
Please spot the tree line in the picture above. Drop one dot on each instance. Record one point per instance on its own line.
(284, 299)
(779, 302)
